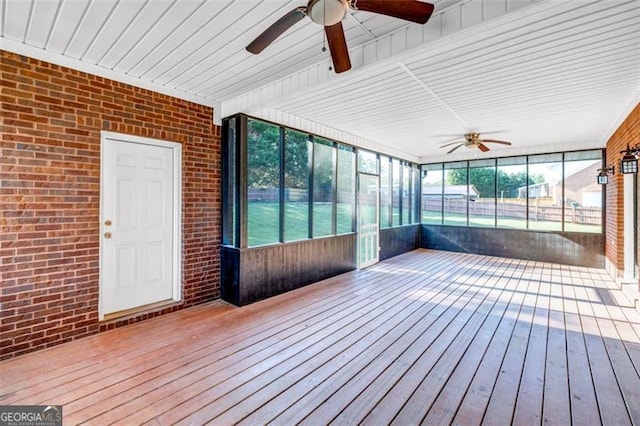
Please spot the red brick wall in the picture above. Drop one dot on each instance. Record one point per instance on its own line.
(50, 190)
(628, 132)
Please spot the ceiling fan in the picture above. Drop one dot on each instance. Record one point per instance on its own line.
(473, 140)
(330, 13)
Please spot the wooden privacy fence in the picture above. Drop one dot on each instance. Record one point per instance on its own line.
(515, 210)
(272, 195)
(478, 208)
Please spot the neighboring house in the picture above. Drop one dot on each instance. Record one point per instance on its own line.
(540, 190)
(580, 186)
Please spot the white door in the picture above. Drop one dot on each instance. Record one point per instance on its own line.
(139, 219)
(368, 207)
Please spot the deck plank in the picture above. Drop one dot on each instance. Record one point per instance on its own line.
(505, 391)
(427, 337)
(556, 403)
(584, 405)
(619, 356)
(529, 403)
(610, 399)
(477, 395)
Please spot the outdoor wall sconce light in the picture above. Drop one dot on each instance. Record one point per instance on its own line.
(603, 176)
(629, 163)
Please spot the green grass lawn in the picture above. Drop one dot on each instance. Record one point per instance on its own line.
(264, 218)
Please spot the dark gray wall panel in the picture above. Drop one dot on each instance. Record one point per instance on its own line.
(262, 272)
(229, 274)
(559, 247)
(395, 241)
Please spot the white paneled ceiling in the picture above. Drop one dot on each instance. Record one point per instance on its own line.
(547, 75)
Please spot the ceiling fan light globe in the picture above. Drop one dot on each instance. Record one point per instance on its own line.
(327, 12)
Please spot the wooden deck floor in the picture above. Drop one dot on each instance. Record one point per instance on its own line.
(427, 337)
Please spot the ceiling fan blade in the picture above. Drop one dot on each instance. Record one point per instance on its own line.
(338, 47)
(448, 135)
(454, 148)
(409, 10)
(496, 141)
(494, 132)
(483, 147)
(451, 143)
(274, 31)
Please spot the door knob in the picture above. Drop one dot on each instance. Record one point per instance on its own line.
(107, 222)
(107, 234)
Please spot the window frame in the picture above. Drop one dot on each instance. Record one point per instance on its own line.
(426, 167)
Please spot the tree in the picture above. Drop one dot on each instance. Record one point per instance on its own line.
(263, 158)
(263, 154)
(508, 183)
(297, 154)
(483, 179)
(323, 161)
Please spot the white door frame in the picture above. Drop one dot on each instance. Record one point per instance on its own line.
(177, 208)
(629, 229)
(359, 222)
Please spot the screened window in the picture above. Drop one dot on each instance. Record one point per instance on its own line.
(297, 160)
(406, 194)
(455, 193)
(396, 172)
(415, 195)
(482, 192)
(346, 186)
(263, 183)
(367, 162)
(545, 192)
(432, 193)
(324, 161)
(511, 208)
(583, 196)
(230, 199)
(385, 194)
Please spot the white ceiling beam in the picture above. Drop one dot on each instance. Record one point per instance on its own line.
(430, 91)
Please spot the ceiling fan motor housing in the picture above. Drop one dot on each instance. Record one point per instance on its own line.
(472, 137)
(327, 12)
